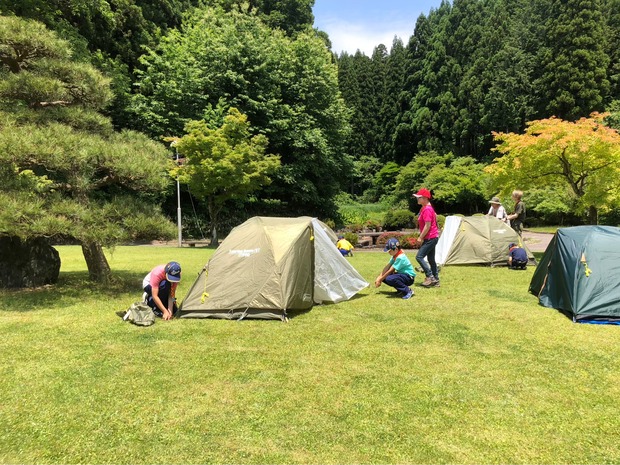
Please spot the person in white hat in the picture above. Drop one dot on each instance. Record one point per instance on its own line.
(497, 210)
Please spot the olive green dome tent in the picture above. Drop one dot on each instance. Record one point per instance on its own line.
(476, 240)
(269, 266)
(579, 272)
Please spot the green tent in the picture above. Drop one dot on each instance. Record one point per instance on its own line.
(476, 240)
(578, 273)
(268, 266)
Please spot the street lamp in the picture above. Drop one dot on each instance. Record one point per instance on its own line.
(174, 144)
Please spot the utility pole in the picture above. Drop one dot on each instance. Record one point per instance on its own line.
(174, 144)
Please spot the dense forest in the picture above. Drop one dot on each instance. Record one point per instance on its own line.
(341, 128)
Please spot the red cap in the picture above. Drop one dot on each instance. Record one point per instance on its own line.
(423, 193)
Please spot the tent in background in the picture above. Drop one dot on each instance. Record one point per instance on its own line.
(476, 240)
(579, 273)
(267, 266)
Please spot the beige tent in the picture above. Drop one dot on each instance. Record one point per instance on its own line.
(268, 266)
(476, 240)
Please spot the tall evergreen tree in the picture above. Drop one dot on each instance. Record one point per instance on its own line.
(393, 86)
(612, 13)
(575, 63)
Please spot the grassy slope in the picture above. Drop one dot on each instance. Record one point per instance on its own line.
(472, 372)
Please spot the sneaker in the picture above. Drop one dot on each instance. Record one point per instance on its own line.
(428, 282)
(408, 295)
(435, 282)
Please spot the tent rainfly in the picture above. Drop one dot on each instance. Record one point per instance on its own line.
(476, 240)
(578, 274)
(268, 266)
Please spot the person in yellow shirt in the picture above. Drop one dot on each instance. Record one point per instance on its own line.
(344, 246)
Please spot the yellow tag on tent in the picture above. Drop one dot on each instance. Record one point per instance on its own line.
(586, 270)
(205, 294)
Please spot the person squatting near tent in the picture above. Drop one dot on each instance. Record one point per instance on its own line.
(517, 218)
(160, 286)
(429, 236)
(399, 272)
(344, 246)
(517, 257)
(497, 210)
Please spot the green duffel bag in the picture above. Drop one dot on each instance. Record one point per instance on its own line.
(140, 314)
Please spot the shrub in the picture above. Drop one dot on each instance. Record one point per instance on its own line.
(373, 224)
(351, 237)
(383, 238)
(355, 227)
(399, 219)
(408, 241)
(331, 223)
(441, 221)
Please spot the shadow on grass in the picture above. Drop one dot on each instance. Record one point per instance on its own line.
(72, 287)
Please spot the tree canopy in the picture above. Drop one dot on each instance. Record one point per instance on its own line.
(65, 171)
(581, 159)
(287, 87)
(224, 164)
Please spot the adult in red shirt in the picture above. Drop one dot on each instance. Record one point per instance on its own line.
(429, 235)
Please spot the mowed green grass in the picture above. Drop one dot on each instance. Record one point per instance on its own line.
(472, 372)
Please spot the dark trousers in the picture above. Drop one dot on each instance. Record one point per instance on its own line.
(518, 265)
(399, 281)
(163, 294)
(427, 249)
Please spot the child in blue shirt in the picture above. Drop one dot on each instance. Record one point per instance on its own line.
(399, 272)
(517, 257)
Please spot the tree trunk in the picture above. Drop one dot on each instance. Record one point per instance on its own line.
(213, 216)
(98, 267)
(592, 215)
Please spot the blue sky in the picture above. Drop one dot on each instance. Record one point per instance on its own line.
(364, 24)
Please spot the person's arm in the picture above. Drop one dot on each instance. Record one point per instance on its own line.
(170, 307)
(518, 210)
(427, 228)
(388, 270)
(155, 294)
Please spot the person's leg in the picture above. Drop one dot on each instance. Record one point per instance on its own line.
(343, 252)
(149, 298)
(400, 282)
(431, 258)
(163, 294)
(422, 252)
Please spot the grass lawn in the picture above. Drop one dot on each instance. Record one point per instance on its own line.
(472, 372)
(544, 229)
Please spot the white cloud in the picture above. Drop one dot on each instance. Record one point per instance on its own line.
(350, 37)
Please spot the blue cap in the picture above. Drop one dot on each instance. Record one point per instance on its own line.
(391, 244)
(173, 272)
(511, 245)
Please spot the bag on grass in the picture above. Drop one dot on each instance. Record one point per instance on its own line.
(140, 314)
